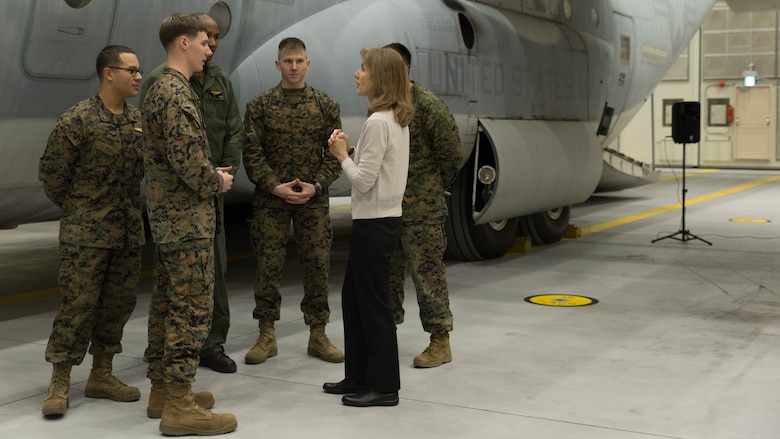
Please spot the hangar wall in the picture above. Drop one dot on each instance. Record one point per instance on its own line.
(739, 126)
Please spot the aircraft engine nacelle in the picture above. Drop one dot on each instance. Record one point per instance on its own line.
(538, 165)
(520, 175)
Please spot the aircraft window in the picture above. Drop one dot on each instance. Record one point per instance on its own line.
(220, 12)
(625, 50)
(467, 31)
(594, 16)
(77, 4)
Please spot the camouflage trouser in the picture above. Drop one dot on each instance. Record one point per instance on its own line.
(313, 235)
(421, 253)
(98, 297)
(180, 310)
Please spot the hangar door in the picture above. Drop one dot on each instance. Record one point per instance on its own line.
(752, 134)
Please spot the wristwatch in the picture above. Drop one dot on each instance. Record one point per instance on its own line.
(317, 189)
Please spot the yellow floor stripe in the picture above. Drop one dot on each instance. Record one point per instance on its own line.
(687, 174)
(30, 295)
(660, 210)
(585, 231)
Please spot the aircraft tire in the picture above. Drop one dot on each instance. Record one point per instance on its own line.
(469, 242)
(546, 227)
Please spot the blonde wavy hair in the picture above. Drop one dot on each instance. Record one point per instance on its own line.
(390, 78)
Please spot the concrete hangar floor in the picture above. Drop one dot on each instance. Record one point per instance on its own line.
(683, 342)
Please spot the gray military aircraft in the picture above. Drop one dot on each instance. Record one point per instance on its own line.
(539, 88)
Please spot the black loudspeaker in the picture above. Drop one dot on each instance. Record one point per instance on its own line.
(686, 122)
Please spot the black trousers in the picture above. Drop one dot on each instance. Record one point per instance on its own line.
(370, 343)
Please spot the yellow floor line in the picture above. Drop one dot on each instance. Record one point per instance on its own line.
(585, 231)
(660, 210)
(687, 174)
(30, 295)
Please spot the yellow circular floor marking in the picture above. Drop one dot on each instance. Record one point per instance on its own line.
(750, 220)
(561, 300)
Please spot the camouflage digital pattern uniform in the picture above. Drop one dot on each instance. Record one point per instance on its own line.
(181, 186)
(286, 133)
(224, 129)
(92, 169)
(434, 154)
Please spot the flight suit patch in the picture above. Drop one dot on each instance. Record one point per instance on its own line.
(216, 95)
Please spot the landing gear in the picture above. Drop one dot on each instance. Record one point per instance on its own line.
(472, 192)
(469, 242)
(545, 227)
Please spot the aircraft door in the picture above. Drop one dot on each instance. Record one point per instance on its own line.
(752, 131)
(60, 36)
(620, 84)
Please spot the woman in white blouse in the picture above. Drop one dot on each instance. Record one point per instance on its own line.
(377, 172)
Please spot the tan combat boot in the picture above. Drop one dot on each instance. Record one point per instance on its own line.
(320, 346)
(437, 353)
(182, 416)
(102, 384)
(265, 346)
(160, 391)
(56, 401)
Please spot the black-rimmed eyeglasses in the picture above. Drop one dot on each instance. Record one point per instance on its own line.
(131, 70)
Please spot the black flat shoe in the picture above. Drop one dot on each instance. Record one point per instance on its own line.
(342, 387)
(370, 398)
(219, 362)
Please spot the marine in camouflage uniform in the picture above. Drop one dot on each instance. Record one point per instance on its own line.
(92, 170)
(224, 129)
(286, 132)
(435, 152)
(182, 186)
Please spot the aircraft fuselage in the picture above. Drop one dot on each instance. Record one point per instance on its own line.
(538, 88)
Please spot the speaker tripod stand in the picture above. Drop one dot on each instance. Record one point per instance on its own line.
(684, 234)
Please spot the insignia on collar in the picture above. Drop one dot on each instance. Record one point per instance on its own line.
(216, 95)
